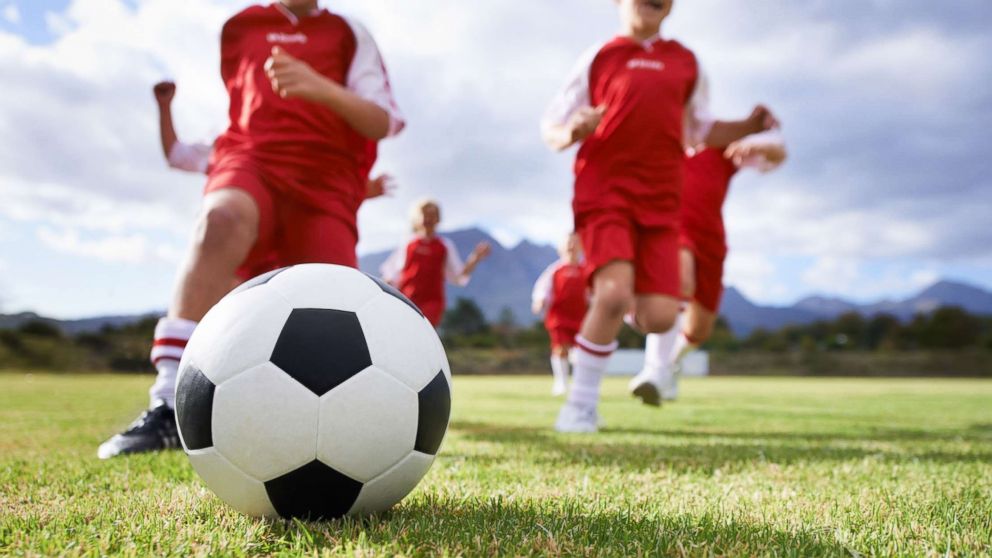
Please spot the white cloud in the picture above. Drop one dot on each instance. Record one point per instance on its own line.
(127, 248)
(11, 14)
(755, 275)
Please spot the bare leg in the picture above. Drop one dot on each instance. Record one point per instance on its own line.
(226, 230)
(613, 292)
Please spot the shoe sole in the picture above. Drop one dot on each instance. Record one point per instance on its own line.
(648, 394)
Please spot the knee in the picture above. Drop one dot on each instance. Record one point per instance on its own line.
(613, 300)
(699, 333)
(219, 227)
(656, 321)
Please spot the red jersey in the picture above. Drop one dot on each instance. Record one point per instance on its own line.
(420, 267)
(655, 105)
(311, 151)
(708, 175)
(562, 288)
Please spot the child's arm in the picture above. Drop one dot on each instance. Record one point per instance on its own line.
(457, 272)
(382, 185)
(723, 133)
(569, 118)
(391, 269)
(164, 93)
(292, 77)
(765, 151)
(541, 295)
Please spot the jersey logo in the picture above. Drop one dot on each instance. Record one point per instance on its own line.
(645, 64)
(285, 38)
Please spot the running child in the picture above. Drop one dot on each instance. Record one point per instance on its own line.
(703, 241)
(419, 267)
(309, 96)
(563, 294)
(633, 103)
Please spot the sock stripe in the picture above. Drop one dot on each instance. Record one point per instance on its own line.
(160, 358)
(170, 342)
(594, 349)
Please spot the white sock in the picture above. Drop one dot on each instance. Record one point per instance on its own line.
(682, 345)
(171, 335)
(588, 365)
(658, 349)
(559, 368)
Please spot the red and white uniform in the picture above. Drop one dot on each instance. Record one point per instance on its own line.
(562, 290)
(303, 164)
(708, 176)
(419, 269)
(629, 172)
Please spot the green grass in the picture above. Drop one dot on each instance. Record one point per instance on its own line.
(784, 467)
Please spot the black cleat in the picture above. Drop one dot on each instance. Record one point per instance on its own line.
(154, 430)
(645, 390)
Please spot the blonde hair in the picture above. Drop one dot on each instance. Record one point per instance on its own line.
(417, 212)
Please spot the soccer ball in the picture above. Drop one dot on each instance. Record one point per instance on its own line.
(313, 391)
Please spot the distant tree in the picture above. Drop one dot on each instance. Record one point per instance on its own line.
(40, 328)
(465, 318)
(950, 328)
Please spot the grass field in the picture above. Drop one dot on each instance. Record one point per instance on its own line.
(781, 467)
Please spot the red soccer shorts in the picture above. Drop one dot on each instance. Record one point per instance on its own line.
(433, 310)
(609, 236)
(708, 273)
(562, 336)
(289, 232)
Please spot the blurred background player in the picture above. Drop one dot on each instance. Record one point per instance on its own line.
(633, 103)
(704, 249)
(309, 96)
(419, 267)
(195, 157)
(563, 294)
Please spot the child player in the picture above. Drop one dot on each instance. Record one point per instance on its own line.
(195, 157)
(703, 251)
(308, 94)
(562, 293)
(419, 267)
(633, 103)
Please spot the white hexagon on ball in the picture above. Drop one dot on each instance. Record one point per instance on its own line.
(238, 333)
(265, 423)
(367, 424)
(400, 341)
(346, 288)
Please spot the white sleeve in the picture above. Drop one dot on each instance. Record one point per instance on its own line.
(573, 95)
(190, 157)
(453, 265)
(541, 295)
(391, 269)
(759, 162)
(368, 79)
(698, 118)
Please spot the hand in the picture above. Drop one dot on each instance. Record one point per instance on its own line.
(164, 92)
(537, 307)
(741, 151)
(292, 77)
(382, 185)
(585, 121)
(482, 251)
(762, 119)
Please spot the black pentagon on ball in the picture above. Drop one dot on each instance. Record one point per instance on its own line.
(259, 280)
(434, 408)
(194, 408)
(391, 291)
(314, 491)
(321, 348)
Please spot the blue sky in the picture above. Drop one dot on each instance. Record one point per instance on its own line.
(886, 106)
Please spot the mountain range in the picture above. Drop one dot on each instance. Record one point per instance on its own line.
(504, 281)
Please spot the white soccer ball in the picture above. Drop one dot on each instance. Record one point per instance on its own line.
(313, 391)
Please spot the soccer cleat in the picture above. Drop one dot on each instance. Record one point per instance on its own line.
(645, 387)
(154, 430)
(577, 419)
